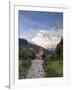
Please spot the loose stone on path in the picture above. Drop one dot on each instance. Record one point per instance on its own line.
(36, 70)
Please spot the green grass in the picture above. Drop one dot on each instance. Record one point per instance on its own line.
(53, 67)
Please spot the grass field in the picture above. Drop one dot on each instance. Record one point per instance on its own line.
(53, 67)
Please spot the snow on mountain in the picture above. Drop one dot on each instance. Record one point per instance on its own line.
(47, 38)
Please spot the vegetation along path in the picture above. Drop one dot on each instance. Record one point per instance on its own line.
(36, 70)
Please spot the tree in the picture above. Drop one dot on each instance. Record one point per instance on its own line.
(59, 49)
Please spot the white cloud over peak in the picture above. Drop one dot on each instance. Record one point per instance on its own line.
(47, 38)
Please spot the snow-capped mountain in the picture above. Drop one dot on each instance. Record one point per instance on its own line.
(47, 38)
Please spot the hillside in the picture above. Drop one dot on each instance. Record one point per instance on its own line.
(25, 45)
(59, 50)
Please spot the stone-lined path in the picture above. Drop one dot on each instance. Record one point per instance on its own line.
(36, 70)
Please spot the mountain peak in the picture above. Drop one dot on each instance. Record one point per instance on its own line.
(47, 39)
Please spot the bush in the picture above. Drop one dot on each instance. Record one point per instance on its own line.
(25, 58)
(22, 54)
(31, 55)
(24, 66)
(59, 50)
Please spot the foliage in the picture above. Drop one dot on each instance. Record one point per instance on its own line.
(59, 50)
(25, 58)
(23, 54)
(31, 55)
(24, 66)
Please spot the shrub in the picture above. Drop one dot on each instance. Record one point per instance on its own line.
(31, 55)
(59, 50)
(24, 66)
(25, 58)
(22, 54)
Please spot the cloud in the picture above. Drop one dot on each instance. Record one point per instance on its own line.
(28, 35)
(47, 38)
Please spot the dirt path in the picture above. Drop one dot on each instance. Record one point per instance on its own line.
(36, 70)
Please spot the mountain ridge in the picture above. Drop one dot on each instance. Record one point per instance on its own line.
(24, 44)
